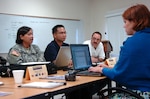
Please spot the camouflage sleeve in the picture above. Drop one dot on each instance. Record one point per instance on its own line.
(14, 56)
(39, 54)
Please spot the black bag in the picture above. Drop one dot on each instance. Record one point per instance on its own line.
(5, 71)
(51, 68)
(2, 61)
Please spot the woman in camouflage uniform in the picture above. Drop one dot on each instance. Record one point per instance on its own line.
(24, 51)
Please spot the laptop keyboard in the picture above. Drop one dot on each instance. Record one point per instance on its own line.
(88, 73)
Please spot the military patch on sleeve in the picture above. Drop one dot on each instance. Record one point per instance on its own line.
(15, 53)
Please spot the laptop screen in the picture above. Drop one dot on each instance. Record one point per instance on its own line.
(63, 57)
(80, 56)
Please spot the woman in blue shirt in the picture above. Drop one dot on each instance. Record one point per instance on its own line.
(133, 67)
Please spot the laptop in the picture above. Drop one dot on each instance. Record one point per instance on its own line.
(6, 71)
(81, 59)
(63, 57)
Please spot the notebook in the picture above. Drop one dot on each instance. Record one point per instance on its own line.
(81, 59)
(63, 57)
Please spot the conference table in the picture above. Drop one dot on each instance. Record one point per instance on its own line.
(41, 93)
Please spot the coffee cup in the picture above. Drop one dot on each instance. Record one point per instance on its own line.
(18, 76)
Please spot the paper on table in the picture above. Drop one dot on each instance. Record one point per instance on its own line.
(100, 63)
(35, 63)
(5, 93)
(43, 84)
(1, 83)
(54, 77)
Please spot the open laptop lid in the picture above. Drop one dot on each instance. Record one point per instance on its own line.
(80, 56)
(63, 56)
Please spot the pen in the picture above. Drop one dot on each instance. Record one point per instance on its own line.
(19, 86)
(64, 83)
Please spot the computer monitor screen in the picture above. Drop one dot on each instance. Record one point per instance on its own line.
(80, 56)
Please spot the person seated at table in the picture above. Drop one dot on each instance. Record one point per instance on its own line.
(96, 47)
(133, 66)
(59, 35)
(24, 51)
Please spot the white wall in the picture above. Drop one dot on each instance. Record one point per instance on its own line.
(70, 9)
(91, 12)
(100, 8)
(104, 11)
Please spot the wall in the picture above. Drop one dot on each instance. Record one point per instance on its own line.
(104, 11)
(72, 9)
(91, 12)
(100, 8)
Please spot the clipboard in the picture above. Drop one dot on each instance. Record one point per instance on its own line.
(36, 72)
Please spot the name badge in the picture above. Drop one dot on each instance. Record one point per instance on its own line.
(36, 72)
(111, 61)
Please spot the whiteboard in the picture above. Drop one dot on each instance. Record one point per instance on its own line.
(42, 30)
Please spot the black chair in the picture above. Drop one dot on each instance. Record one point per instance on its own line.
(103, 94)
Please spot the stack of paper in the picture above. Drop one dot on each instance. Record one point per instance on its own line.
(5, 93)
(54, 77)
(43, 84)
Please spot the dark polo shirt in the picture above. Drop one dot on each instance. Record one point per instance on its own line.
(51, 50)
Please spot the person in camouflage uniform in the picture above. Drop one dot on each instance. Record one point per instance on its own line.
(24, 51)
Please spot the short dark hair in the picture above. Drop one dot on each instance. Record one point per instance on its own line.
(97, 33)
(54, 29)
(22, 31)
(139, 14)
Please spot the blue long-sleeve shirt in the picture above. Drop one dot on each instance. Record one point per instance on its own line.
(133, 67)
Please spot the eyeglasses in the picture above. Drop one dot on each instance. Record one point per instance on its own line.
(95, 39)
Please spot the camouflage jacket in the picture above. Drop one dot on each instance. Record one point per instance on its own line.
(18, 54)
